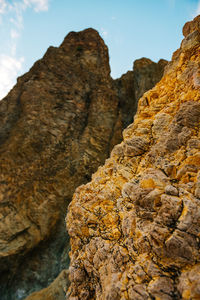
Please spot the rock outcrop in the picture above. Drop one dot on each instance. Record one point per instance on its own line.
(134, 228)
(132, 85)
(146, 74)
(57, 125)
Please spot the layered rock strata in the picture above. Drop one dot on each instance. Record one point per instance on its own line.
(134, 228)
(57, 126)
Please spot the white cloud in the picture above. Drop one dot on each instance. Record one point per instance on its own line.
(14, 34)
(9, 69)
(12, 12)
(104, 32)
(39, 5)
(2, 6)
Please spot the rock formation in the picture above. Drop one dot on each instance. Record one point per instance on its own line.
(57, 125)
(146, 74)
(134, 228)
(132, 85)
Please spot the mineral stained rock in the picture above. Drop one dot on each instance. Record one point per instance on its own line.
(134, 228)
(57, 126)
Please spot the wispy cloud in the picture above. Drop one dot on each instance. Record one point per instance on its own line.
(104, 32)
(197, 12)
(12, 12)
(2, 9)
(2, 6)
(38, 5)
(9, 69)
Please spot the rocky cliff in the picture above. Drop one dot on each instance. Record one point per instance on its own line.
(134, 228)
(57, 126)
(132, 85)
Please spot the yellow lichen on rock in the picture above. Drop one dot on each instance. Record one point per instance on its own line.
(146, 241)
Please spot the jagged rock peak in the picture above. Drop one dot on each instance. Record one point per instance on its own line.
(191, 26)
(134, 228)
(88, 38)
(133, 84)
(88, 44)
(143, 62)
(146, 74)
(86, 49)
(57, 125)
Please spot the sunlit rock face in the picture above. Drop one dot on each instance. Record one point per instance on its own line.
(57, 125)
(134, 229)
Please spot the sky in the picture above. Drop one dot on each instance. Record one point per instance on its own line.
(131, 29)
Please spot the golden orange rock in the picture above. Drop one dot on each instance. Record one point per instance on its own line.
(148, 192)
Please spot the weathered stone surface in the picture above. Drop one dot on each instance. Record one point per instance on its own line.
(134, 84)
(191, 26)
(57, 126)
(146, 74)
(134, 228)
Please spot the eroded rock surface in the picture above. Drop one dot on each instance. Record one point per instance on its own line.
(57, 126)
(146, 74)
(134, 228)
(132, 85)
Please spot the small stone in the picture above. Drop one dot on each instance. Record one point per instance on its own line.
(171, 190)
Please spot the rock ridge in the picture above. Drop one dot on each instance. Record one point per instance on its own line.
(57, 125)
(134, 229)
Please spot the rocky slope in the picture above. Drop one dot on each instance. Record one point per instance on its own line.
(134, 228)
(57, 126)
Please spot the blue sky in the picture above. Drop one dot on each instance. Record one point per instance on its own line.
(131, 29)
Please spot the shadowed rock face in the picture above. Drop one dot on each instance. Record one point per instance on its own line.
(132, 85)
(134, 228)
(57, 125)
(146, 74)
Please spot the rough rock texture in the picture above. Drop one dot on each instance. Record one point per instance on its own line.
(134, 228)
(57, 126)
(191, 26)
(146, 74)
(132, 85)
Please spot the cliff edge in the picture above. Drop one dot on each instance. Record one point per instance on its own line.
(134, 229)
(57, 125)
